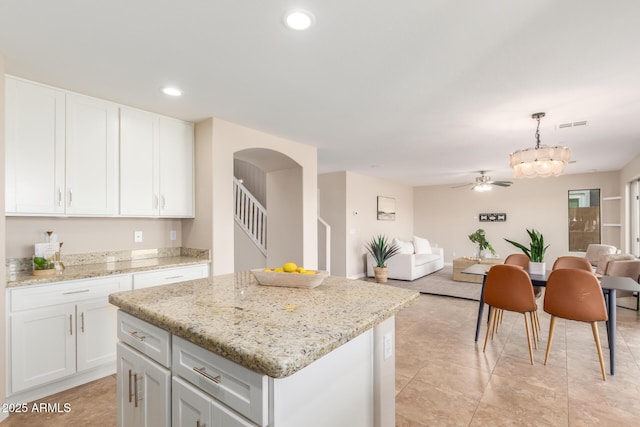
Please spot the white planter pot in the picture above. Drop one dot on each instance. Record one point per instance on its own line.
(537, 268)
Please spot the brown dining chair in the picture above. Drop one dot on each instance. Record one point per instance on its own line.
(575, 295)
(522, 260)
(572, 262)
(508, 287)
(626, 268)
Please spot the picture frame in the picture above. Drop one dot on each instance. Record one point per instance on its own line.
(386, 208)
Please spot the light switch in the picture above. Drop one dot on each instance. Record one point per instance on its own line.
(137, 236)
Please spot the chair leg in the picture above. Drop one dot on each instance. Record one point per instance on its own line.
(526, 327)
(537, 322)
(552, 325)
(596, 337)
(492, 317)
(533, 330)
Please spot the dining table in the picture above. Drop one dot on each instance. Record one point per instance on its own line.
(610, 285)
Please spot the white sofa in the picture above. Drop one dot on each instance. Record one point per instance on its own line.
(408, 265)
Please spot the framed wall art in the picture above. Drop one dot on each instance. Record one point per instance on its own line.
(386, 209)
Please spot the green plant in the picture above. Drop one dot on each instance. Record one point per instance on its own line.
(480, 239)
(536, 249)
(381, 250)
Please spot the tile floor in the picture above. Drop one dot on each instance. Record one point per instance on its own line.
(444, 379)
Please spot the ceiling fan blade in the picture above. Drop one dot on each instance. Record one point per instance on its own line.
(501, 183)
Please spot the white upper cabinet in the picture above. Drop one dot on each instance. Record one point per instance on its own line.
(91, 156)
(156, 165)
(138, 163)
(73, 155)
(176, 156)
(35, 147)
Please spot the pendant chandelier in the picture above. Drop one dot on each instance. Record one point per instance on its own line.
(541, 160)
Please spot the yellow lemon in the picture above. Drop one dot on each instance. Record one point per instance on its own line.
(278, 270)
(308, 272)
(267, 269)
(290, 267)
(300, 270)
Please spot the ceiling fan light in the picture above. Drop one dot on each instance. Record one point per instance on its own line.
(482, 188)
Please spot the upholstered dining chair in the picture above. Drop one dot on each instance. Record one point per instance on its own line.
(595, 251)
(518, 259)
(626, 268)
(508, 287)
(575, 295)
(522, 260)
(572, 262)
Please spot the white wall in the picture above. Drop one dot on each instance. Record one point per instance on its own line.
(342, 195)
(284, 218)
(247, 254)
(332, 191)
(225, 139)
(83, 235)
(447, 215)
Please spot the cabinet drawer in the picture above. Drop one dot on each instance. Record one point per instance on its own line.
(172, 275)
(239, 388)
(145, 337)
(30, 297)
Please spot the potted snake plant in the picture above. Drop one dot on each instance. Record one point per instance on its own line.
(381, 251)
(535, 251)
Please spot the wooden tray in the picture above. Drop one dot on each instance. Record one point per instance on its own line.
(289, 280)
(47, 272)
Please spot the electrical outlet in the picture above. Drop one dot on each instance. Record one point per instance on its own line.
(137, 236)
(388, 345)
(172, 235)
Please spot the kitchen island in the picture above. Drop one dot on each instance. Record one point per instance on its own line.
(321, 356)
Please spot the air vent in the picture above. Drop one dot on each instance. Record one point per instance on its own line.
(572, 124)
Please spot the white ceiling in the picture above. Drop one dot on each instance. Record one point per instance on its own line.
(415, 91)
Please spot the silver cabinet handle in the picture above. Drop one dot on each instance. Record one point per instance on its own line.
(71, 324)
(59, 196)
(70, 197)
(82, 322)
(135, 390)
(155, 201)
(130, 392)
(135, 335)
(164, 202)
(173, 277)
(198, 423)
(208, 376)
(76, 292)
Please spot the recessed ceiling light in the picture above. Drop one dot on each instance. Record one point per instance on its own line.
(298, 19)
(171, 91)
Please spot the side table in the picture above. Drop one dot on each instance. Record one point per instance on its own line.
(459, 264)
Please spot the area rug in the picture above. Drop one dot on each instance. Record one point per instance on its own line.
(440, 283)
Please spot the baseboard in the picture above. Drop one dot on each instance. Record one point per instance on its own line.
(45, 390)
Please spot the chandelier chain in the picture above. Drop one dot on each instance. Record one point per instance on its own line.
(538, 133)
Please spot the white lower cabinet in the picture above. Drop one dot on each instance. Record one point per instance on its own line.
(43, 346)
(59, 330)
(144, 390)
(193, 408)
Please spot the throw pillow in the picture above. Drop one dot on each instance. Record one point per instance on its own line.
(421, 245)
(405, 247)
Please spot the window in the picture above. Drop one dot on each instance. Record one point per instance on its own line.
(584, 219)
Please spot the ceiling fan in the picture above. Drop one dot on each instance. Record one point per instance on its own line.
(484, 183)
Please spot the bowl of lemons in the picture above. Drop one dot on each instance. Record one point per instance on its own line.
(289, 275)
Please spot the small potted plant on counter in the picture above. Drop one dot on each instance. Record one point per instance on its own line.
(381, 251)
(535, 251)
(480, 239)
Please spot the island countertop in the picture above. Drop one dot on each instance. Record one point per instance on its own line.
(272, 330)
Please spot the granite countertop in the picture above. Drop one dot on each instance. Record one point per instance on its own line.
(86, 271)
(272, 330)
